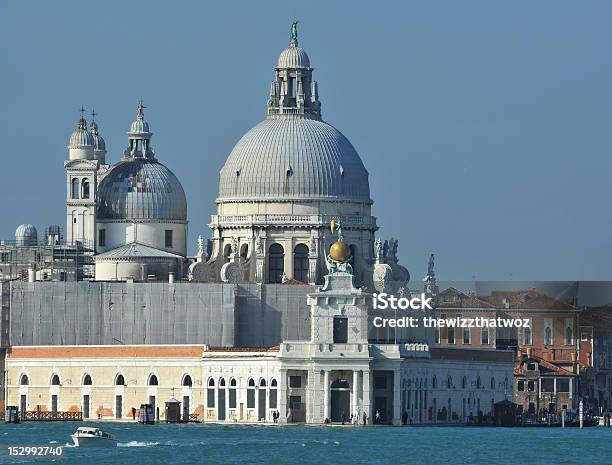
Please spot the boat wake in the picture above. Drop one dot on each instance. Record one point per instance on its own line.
(137, 444)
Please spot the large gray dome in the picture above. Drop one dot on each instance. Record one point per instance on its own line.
(141, 188)
(293, 158)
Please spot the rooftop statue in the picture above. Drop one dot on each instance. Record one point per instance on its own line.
(293, 38)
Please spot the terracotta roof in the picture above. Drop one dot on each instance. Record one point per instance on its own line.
(460, 300)
(118, 351)
(243, 349)
(527, 299)
(546, 368)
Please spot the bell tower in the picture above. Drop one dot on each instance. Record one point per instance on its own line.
(81, 187)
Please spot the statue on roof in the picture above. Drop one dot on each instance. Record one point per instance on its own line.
(294, 34)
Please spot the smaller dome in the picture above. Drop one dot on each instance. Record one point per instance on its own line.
(340, 251)
(293, 57)
(81, 137)
(141, 189)
(139, 126)
(98, 141)
(26, 234)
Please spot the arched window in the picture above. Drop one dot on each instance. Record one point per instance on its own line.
(273, 394)
(251, 394)
(244, 251)
(85, 189)
(449, 382)
(222, 383)
(187, 381)
(569, 336)
(210, 394)
(24, 381)
(548, 336)
(120, 380)
(87, 380)
(492, 384)
(463, 382)
(262, 383)
(527, 336)
(300, 263)
(227, 250)
(276, 263)
(153, 380)
(478, 383)
(55, 380)
(74, 188)
(232, 393)
(434, 382)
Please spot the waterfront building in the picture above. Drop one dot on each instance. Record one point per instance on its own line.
(595, 349)
(248, 310)
(334, 374)
(547, 363)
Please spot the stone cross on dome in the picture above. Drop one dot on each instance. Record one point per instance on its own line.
(82, 122)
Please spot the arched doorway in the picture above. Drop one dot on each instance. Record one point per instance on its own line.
(261, 414)
(221, 403)
(340, 400)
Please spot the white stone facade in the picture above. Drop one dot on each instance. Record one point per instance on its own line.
(335, 375)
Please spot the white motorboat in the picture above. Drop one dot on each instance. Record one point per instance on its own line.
(87, 436)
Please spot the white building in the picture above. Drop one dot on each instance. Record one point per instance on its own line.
(333, 376)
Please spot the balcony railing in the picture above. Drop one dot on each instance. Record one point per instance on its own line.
(51, 416)
(314, 220)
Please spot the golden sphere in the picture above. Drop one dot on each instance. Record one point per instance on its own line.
(340, 251)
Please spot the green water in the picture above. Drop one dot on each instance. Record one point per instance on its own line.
(238, 444)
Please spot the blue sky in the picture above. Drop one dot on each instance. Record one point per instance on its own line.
(486, 126)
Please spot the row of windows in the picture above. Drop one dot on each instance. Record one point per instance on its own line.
(212, 393)
(547, 385)
(79, 189)
(276, 262)
(527, 335)
(87, 381)
(153, 381)
(464, 383)
(467, 336)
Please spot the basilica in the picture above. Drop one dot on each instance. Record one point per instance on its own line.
(273, 313)
(280, 187)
